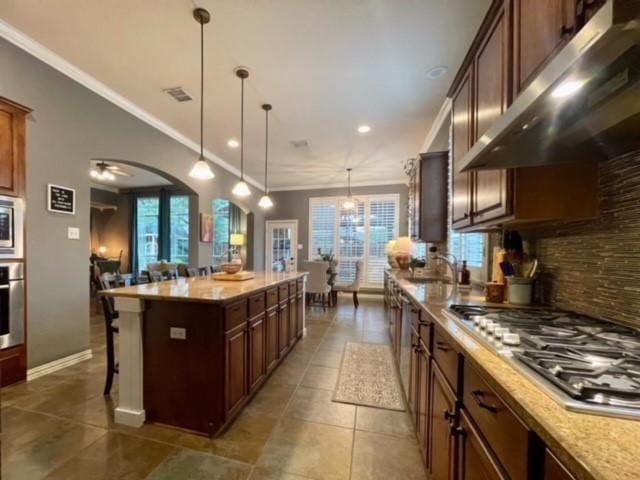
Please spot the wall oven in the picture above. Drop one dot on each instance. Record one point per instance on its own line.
(11, 304)
(11, 227)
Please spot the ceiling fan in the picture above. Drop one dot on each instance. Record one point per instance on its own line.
(101, 170)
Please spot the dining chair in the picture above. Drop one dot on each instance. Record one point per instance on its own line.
(351, 287)
(192, 272)
(203, 271)
(317, 281)
(155, 276)
(111, 328)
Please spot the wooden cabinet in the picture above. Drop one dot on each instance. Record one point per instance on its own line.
(12, 147)
(461, 133)
(433, 197)
(553, 469)
(293, 321)
(423, 401)
(299, 314)
(540, 29)
(414, 377)
(283, 328)
(235, 368)
(257, 351)
(442, 419)
(475, 461)
(271, 332)
(490, 189)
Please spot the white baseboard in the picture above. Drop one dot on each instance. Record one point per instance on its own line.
(59, 364)
(131, 418)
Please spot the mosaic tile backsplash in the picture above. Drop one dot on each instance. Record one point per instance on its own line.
(593, 267)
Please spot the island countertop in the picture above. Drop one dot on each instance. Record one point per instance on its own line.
(203, 289)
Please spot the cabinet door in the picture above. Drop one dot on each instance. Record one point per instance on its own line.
(474, 458)
(442, 414)
(553, 469)
(12, 127)
(540, 30)
(300, 316)
(235, 368)
(257, 343)
(433, 196)
(414, 377)
(271, 331)
(293, 321)
(283, 328)
(492, 88)
(461, 119)
(424, 391)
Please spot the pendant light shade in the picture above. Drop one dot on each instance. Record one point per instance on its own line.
(266, 202)
(349, 203)
(201, 170)
(241, 189)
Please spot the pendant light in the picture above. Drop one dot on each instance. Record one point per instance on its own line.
(349, 203)
(266, 202)
(241, 189)
(201, 170)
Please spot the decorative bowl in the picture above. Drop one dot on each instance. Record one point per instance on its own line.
(230, 267)
(403, 261)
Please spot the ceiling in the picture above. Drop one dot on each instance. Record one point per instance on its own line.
(139, 177)
(326, 66)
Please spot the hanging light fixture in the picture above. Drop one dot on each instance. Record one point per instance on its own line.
(241, 189)
(349, 203)
(201, 170)
(266, 202)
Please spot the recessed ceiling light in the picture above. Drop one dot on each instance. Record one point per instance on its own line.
(233, 143)
(364, 129)
(567, 88)
(437, 72)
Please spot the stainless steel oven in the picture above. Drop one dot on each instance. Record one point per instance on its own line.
(11, 227)
(11, 304)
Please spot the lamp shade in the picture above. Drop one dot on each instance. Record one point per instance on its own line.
(236, 239)
(404, 246)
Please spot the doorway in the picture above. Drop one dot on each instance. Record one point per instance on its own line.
(281, 245)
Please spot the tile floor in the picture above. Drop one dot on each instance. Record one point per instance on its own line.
(61, 427)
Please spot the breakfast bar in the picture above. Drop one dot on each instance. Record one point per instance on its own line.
(193, 351)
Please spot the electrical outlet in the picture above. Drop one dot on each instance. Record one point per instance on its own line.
(73, 233)
(178, 333)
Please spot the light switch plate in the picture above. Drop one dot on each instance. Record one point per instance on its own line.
(73, 233)
(177, 333)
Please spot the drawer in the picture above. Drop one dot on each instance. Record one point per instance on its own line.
(256, 304)
(415, 317)
(283, 292)
(508, 438)
(300, 283)
(292, 289)
(272, 297)
(235, 314)
(447, 359)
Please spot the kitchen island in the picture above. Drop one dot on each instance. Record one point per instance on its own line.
(193, 351)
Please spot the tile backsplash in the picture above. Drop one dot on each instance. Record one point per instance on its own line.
(593, 267)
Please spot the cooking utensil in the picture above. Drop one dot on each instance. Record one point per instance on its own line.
(532, 270)
(507, 268)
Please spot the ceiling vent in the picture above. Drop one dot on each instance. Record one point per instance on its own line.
(299, 143)
(179, 94)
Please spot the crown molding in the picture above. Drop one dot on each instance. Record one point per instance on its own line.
(330, 187)
(42, 53)
(442, 117)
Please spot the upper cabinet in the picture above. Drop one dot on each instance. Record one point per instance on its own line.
(515, 40)
(12, 144)
(432, 205)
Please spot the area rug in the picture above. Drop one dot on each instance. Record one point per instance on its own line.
(368, 377)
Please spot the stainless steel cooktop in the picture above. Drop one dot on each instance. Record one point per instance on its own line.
(586, 364)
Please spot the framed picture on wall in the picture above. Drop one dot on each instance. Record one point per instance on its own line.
(206, 227)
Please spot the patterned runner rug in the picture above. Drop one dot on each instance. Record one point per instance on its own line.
(368, 377)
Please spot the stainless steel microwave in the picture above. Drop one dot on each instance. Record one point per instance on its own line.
(11, 227)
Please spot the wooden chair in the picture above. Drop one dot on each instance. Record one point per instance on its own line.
(351, 287)
(155, 276)
(317, 285)
(111, 328)
(203, 271)
(192, 272)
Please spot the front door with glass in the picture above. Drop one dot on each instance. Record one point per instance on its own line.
(282, 244)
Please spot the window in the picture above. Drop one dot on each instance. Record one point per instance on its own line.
(179, 229)
(220, 230)
(147, 228)
(469, 247)
(354, 235)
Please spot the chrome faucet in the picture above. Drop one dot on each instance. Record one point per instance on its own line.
(450, 260)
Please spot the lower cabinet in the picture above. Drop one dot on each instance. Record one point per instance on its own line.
(475, 461)
(257, 348)
(414, 377)
(235, 367)
(423, 401)
(271, 333)
(442, 420)
(299, 314)
(293, 321)
(283, 328)
(553, 469)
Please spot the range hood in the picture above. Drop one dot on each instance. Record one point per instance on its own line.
(584, 105)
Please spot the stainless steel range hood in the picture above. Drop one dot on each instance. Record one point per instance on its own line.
(584, 105)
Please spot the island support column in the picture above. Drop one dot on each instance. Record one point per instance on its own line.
(130, 410)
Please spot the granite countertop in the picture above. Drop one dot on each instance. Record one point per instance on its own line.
(202, 289)
(591, 446)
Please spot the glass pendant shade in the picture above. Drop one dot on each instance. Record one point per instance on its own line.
(201, 170)
(348, 204)
(241, 189)
(265, 202)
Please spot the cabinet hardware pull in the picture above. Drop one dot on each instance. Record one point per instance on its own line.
(457, 431)
(466, 215)
(565, 31)
(448, 415)
(443, 346)
(478, 397)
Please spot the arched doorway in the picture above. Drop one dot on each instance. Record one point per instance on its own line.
(232, 233)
